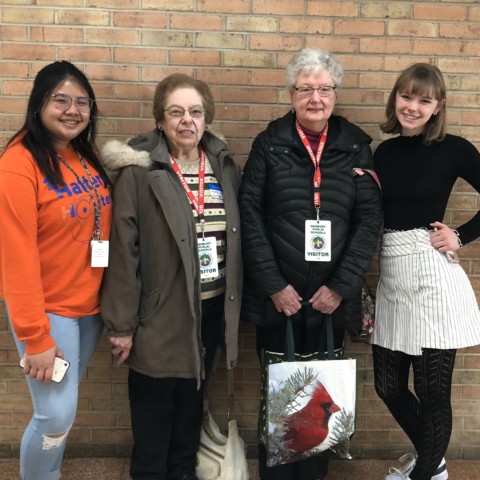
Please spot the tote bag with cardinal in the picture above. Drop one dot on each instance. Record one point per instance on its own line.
(308, 405)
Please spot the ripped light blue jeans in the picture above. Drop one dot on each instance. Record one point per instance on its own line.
(55, 404)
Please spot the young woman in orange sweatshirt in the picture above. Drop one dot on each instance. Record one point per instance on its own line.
(55, 215)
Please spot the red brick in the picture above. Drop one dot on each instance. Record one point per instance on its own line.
(312, 25)
(85, 53)
(275, 42)
(227, 77)
(450, 13)
(438, 47)
(359, 27)
(108, 36)
(461, 30)
(28, 52)
(83, 17)
(385, 45)
(50, 35)
(220, 6)
(333, 9)
(196, 22)
(277, 7)
(140, 19)
(126, 4)
(404, 28)
(249, 95)
(11, 33)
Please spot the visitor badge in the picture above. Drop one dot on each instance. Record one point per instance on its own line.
(215, 191)
(317, 240)
(99, 253)
(207, 254)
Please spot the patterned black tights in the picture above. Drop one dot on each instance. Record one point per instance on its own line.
(425, 417)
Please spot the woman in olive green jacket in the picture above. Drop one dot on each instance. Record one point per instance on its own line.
(164, 312)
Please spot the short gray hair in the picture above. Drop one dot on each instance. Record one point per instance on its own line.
(311, 60)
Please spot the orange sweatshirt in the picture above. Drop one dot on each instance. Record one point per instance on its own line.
(45, 253)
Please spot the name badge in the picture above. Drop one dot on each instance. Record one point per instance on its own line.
(207, 255)
(317, 240)
(99, 253)
(215, 191)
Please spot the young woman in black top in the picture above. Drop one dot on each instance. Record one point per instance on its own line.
(426, 308)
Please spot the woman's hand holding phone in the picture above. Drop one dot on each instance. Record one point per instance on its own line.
(45, 366)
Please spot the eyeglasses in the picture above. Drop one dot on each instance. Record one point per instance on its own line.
(323, 91)
(178, 112)
(63, 102)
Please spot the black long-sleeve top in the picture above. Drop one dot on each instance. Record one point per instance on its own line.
(417, 180)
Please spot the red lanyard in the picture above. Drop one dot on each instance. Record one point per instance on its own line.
(198, 204)
(317, 176)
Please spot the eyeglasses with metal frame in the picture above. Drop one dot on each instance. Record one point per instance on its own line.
(323, 91)
(63, 102)
(176, 111)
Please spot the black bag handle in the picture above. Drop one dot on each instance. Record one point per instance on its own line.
(290, 342)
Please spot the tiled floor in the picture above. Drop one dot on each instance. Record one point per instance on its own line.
(117, 469)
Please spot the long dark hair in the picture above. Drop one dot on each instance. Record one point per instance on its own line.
(37, 139)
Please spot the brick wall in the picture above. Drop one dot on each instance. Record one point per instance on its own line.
(241, 48)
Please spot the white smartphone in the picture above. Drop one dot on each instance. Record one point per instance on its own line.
(60, 368)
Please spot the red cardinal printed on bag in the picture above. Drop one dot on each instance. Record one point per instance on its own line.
(308, 427)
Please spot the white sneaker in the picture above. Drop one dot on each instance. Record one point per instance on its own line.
(396, 474)
(441, 472)
(402, 473)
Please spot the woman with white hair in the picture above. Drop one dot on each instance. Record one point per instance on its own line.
(307, 168)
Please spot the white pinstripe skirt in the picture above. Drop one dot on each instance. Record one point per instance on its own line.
(423, 300)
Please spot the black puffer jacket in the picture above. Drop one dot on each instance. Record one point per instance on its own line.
(276, 197)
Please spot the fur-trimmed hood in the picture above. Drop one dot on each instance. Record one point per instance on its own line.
(117, 155)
